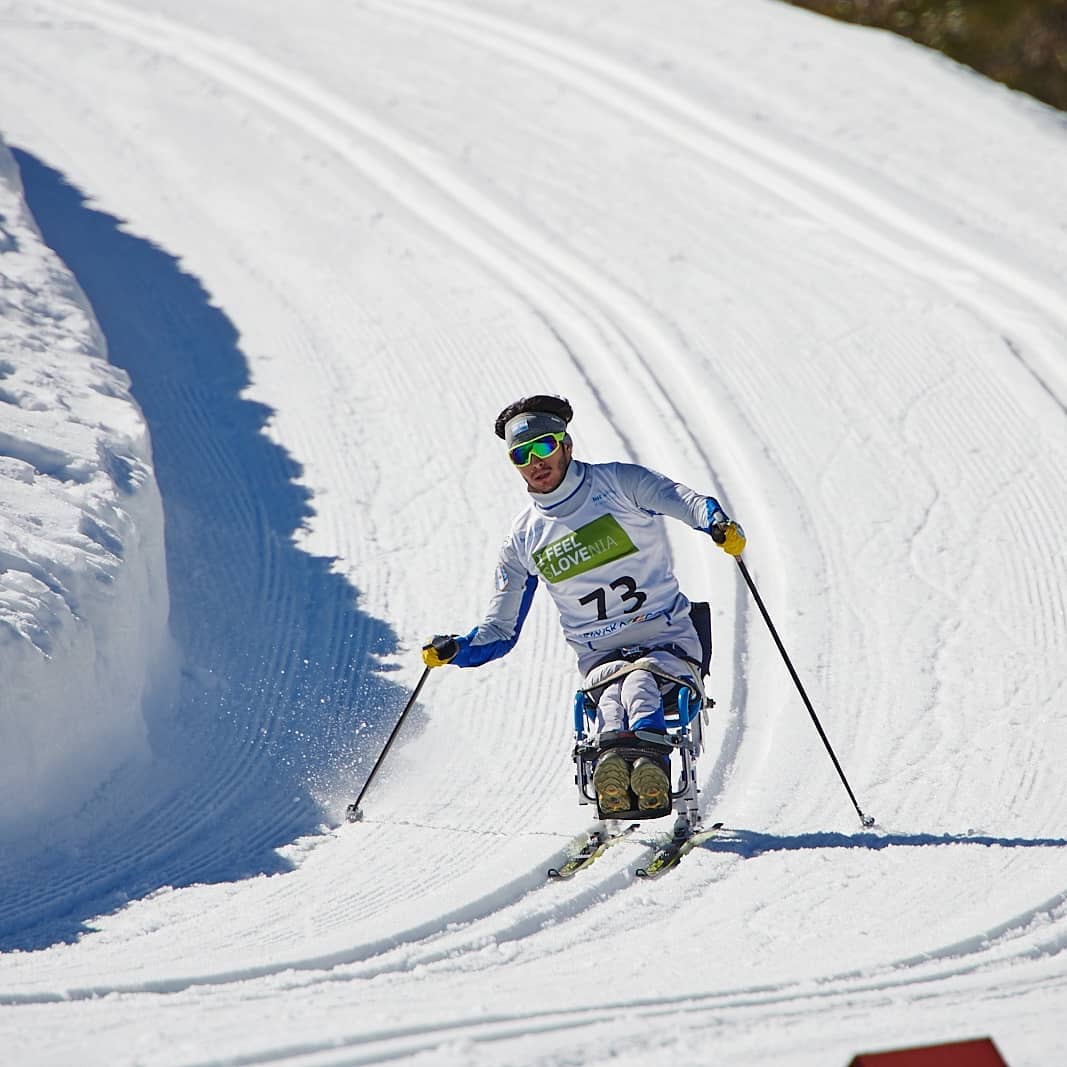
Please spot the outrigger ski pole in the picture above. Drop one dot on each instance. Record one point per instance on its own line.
(866, 820)
(353, 813)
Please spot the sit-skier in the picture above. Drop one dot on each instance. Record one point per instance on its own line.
(593, 534)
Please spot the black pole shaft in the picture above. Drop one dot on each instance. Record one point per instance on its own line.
(866, 820)
(354, 812)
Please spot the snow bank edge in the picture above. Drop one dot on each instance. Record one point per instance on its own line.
(85, 652)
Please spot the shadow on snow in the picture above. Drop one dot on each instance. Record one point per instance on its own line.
(748, 843)
(281, 671)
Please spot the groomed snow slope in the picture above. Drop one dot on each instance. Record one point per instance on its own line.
(84, 649)
(814, 269)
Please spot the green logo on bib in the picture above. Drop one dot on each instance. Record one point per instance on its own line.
(599, 542)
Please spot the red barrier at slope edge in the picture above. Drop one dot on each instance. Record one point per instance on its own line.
(980, 1053)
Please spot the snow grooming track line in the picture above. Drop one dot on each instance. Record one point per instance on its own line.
(1025, 937)
(789, 1000)
(588, 312)
(470, 219)
(509, 913)
(920, 247)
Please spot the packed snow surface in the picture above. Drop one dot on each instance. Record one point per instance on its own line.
(813, 269)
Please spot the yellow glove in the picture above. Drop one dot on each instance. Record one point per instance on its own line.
(439, 650)
(728, 535)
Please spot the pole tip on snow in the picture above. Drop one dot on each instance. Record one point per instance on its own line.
(868, 821)
(354, 813)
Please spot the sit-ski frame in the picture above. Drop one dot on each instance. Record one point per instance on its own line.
(685, 712)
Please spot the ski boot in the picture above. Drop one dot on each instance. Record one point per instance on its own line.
(650, 781)
(611, 780)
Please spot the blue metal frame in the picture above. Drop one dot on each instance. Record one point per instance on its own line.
(688, 708)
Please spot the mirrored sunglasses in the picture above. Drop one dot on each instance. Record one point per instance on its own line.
(539, 448)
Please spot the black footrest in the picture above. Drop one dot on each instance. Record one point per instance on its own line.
(632, 745)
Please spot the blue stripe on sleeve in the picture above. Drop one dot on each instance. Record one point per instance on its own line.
(471, 655)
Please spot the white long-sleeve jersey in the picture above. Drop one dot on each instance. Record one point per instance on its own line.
(597, 543)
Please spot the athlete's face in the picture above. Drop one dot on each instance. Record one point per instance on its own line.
(543, 475)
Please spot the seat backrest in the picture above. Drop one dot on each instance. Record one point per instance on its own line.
(700, 613)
